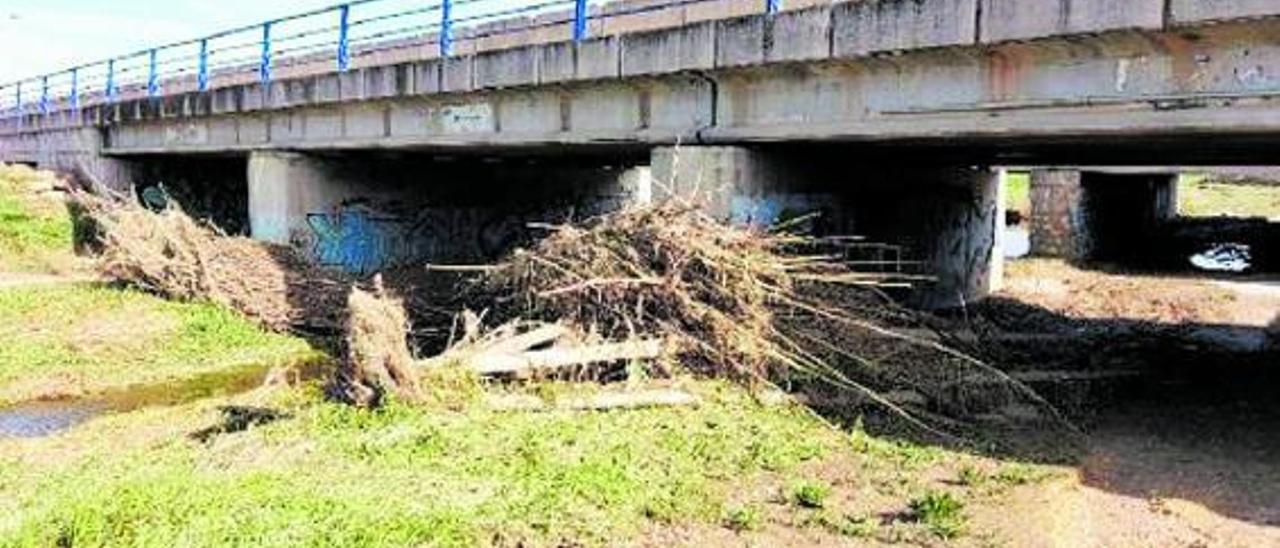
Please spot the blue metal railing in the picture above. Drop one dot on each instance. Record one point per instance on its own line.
(339, 35)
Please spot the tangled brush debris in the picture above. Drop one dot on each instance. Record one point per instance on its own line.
(762, 307)
(377, 349)
(665, 286)
(171, 254)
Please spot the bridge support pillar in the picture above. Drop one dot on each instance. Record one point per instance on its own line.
(957, 221)
(1082, 215)
(1059, 223)
(949, 218)
(712, 176)
(283, 188)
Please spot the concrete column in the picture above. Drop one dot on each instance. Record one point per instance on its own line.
(92, 170)
(951, 219)
(744, 186)
(77, 153)
(959, 231)
(1059, 224)
(1082, 215)
(283, 188)
(712, 176)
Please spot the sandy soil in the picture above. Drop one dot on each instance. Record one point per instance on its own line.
(1196, 464)
(1160, 475)
(1087, 294)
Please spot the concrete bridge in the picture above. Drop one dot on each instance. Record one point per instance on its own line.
(887, 115)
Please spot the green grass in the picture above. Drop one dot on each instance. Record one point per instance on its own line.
(403, 475)
(744, 518)
(1018, 192)
(940, 512)
(35, 233)
(335, 475)
(74, 339)
(1200, 197)
(810, 494)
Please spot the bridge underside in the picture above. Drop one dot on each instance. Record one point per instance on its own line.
(447, 160)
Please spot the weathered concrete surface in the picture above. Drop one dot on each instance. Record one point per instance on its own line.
(1117, 86)
(863, 28)
(1020, 20)
(283, 188)
(818, 73)
(1184, 12)
(1059, 223)
(73, 150)
(951, 219)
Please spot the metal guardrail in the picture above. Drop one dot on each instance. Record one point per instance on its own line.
(337, 33)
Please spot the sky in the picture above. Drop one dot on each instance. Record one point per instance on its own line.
(38, 36)
(46, 36)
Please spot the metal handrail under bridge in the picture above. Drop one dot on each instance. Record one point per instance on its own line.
(337, 35)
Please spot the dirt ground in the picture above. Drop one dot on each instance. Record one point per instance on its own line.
(1191, 463)
(1168, 299)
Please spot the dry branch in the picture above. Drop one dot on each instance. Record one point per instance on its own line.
(171, 254)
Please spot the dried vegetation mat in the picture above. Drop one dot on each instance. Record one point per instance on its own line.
(172, 255)
(649, 292)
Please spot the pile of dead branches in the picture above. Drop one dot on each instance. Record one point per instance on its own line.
(173, 255)
(758, 306)
(665, 286)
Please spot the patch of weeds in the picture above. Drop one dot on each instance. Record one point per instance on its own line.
(744, 518)
(34, 231)
(847, 525)
(903, 454)
(971, 476)
(809, 494)
(451, 386)
(1019, 474)
(940, 512)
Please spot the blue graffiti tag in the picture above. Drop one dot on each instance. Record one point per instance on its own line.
(356, 240)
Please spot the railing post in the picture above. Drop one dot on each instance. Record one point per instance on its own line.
(264, 70)
(344, 44)
(153, 77)
(18, 99)
(580, 21)
(44, 94)
(75, 89)
(111, 81)
(772, 6)
(446, 28)
(202, 81)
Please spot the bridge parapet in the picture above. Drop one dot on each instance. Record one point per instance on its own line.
(309, 60)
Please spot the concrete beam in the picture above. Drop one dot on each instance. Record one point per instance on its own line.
(1190, 12)
(1004, 20)
(864, 28)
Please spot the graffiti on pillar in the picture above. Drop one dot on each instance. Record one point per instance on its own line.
(770, 210)
(360, 239)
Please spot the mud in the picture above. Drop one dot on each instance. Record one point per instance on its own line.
(41, 418)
